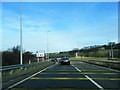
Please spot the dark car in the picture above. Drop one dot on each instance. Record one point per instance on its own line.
(65, 61)
(54, 60)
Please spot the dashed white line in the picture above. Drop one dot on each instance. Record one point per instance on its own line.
(78, 69)
(94, 82)
(72, 65)
(100, 87)
(28, 77)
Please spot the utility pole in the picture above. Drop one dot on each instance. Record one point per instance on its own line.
(21, 46)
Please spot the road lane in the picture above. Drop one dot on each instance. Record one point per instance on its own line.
(107, 78)
(78, 75)
(58, 76)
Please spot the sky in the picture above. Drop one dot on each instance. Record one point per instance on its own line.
(70, 25)
(60, 0)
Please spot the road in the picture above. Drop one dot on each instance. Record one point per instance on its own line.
(78, 75)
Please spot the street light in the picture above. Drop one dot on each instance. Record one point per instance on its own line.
(47, 45)
(21, 47)
(77, 49)
(111, 51)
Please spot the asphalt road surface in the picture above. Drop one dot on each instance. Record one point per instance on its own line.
(78, 75)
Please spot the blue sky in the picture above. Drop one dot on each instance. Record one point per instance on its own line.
(89, 23)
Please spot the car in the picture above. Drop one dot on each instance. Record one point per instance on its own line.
(64, 61)
(54, 60)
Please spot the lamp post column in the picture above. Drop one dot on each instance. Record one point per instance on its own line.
(21, 46)
(47, 46)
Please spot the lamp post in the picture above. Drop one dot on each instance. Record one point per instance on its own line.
(47, 46)
(21, 46)
(78, 44)
(78, 49)
(111, 51)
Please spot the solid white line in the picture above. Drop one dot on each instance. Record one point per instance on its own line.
(94, 82)
(103, 67)
(28, 77)
(109, 69)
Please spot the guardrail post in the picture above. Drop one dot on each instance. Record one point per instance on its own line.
(11, 72)
(25, 68)
(0, 74)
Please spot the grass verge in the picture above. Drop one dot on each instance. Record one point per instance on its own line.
(110, 63)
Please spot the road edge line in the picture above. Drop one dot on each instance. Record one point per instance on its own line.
(28, 77)
(104, 67)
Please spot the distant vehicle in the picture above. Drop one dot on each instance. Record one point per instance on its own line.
(64, 61)
(54, 60)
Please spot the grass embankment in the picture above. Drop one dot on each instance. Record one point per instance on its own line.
(110, 63)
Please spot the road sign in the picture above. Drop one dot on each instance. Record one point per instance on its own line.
(40, 54)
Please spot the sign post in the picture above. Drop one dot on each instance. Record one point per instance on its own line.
(40, 55)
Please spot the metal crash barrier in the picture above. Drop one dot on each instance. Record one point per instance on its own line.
(13, 71)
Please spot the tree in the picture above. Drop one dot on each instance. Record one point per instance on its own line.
(12, 56)
(28, 56)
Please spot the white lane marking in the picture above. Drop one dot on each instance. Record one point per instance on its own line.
(28, 77)
(109, 69)
(103, 67)
(72, 65)
(91, 80)
(94, 82)
(78, 69)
